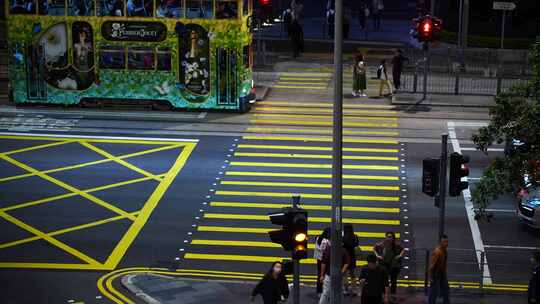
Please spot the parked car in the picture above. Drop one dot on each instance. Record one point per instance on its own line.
(528, 208)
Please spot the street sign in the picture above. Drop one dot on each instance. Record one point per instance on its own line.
(504, 6)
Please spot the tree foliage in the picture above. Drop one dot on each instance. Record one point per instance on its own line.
(515, 115)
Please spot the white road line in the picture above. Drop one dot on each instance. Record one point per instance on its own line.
(473, 178)
(500, 210)
(475, 230)
(489, 149)
(511, 247)
(469, 124)
(99, 137)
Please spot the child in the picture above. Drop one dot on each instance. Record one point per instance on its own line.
(383, 78)
(359, 76)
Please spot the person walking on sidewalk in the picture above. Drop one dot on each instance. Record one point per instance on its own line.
(350, 243)
(363, 14)
(534, 282)
(383, 79)
(273, 287)
(359, 76)
(377, 11)
(374, 278)
(438, 275)
(296, 37)
(397, 68)
(325, 272)
(390, 253)
(321, 242)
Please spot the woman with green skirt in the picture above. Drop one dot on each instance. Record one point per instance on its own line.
(359, 76)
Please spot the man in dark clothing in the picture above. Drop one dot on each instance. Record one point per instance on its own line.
(397, 68)
(325, 271)
(438, 275)
(375, 281)
(296, 37)
(534, 282)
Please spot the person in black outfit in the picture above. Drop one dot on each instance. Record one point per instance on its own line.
(350, 242)
(375, 281)
(397, 68)
(534, 282)
(296, 37)
(273, 287)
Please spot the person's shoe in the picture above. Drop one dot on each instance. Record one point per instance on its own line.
(364, 95)
(354, 94)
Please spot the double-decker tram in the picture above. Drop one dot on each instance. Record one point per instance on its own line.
(192, 54)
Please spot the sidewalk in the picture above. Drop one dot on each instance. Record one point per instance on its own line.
(150, 288)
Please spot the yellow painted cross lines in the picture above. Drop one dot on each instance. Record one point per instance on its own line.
(313, 219)
(310, 175)
(316, 156)
(254, 244)
(322, 139)
(322, 123)
(305, 206)
(309, 195)
(241, 258)
(318, 131)
(270, 109)
(225, 229)
(327, 118)
(307, 185)
(313, 148)
(300, 87)
(314, 166)
(53, 144)
(322, 104)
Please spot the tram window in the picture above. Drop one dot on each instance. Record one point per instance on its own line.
(111, 7)
(22, 7)
(52, 7)
(226, 9)
(81, 7)
(246, 56)
(199, 9)
(164, 59)
(140, 8)
(140, 59)
(83, 48)
(112, 58)
(169, 9)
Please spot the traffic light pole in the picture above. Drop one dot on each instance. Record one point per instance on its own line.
(337, 168)
(442, 184)
(296, 264)
(426, 66)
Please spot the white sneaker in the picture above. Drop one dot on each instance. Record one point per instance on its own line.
(354, 94)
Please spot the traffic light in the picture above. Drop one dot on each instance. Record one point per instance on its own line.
(294, 235)
(427, 28)
(430, 176)
(458, 169)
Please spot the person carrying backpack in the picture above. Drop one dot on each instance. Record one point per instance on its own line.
(383, 79)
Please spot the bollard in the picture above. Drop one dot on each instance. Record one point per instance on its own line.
(456, 85)
(482, 266)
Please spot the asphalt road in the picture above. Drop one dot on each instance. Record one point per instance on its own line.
(201, 204)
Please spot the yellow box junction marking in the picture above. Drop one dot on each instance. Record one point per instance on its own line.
(139, 218)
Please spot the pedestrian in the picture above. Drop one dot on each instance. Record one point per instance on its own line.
(350, 243)
(397, 68)
(534, 282)
(390, 254)
(321, 242)
(296, 36)
(359, 76)
(346, 22)
(363, 14)
(437, 273)
(383, 79)
(374, 279)
(273, 286)
(325, 272)
(330, 17)
(296, 11)
(376, 13)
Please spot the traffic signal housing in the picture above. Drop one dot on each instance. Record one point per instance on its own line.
(294, 233)
(427, 28)
(458, 169)
(430, 176)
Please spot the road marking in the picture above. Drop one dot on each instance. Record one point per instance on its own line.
(242, 258)
(307, 185)
(318, 131)
(501, 210)
(326, 118)
(118, 160)
(63, 142)
(116, 256)
(321, 123)
(314, 166)
(74, 252)
(489, 150)
(323, 104)
(313, 219)
(313, 175)
(68, 187)
(469, 124)
(303, 84)
(309, 195)
(66, 230)
(511, 247)
(475, 230)
(271, 109)
(307, 207)
(101, 161)
(118, 139)
(316, 156)
(322, 139)
(312, 148)
(378, 235)
(254, 244)
(299, 87)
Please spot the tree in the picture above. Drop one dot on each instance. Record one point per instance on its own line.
(515, 116)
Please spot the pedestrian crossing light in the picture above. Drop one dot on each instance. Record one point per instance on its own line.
(294, 235)
(458, 169)
(427, 28)
(430, 176)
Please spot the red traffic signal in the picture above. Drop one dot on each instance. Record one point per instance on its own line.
(427, 28)
(458, 169)
(265, 2)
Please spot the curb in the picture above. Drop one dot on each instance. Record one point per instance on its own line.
(127, 283)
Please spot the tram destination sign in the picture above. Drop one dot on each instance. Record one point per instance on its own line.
(134, 31)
